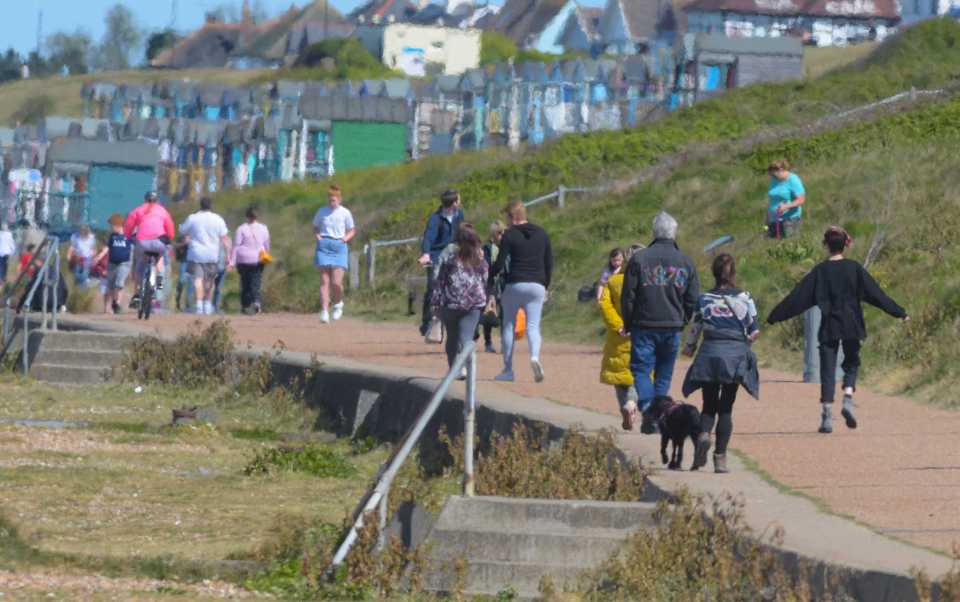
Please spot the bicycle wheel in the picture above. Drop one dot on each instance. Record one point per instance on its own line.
(146, 296)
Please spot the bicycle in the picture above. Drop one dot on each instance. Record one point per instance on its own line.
(148, 286)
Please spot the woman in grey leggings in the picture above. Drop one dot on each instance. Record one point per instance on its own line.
(527, 260)
(460, 291)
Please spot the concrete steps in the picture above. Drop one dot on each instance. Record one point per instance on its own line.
(514, 543)
(75, 357)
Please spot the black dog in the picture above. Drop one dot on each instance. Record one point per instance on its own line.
(677, 421)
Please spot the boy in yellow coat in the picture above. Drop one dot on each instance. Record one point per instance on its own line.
(615, 368)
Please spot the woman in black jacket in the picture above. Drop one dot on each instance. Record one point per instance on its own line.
(837, 286)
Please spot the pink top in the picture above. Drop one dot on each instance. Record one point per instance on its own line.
(151, 221)
(248, 242)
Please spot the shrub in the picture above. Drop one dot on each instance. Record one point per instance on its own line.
(34, 110)
(314, 460)
(198, 357)
(698, 551)
(496, 47)
(578, 467)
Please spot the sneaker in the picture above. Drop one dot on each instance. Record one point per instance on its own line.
(135, 302)
(115, 307)
(701, 451)
(159, 280)
(505, 377)
(826, 421)
(324, 317)
(537, 370)
(489, 348)
(720, 464)
(847, 412)
(337, 310)
(648, 426)
(463, 374)
(257, 308)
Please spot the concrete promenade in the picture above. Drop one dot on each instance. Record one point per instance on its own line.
(872, 499)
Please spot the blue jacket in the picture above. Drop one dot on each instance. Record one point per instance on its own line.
(439, 233)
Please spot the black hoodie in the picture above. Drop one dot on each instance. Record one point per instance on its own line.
(525, 256)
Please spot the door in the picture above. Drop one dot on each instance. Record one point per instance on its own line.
(358, 144)
(116, 189)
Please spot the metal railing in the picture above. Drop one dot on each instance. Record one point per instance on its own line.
(378, 497)
(370, 249)
(48, 275)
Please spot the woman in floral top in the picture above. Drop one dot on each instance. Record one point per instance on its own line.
(460, 293)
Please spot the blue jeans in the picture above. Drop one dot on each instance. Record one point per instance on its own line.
(653, 351)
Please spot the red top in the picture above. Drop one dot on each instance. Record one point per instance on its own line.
(150, 221)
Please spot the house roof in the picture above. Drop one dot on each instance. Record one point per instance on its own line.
(640, 19)
(858, 9)
(307, 34)
(128, 153)
(521, 19)
(721, 44)
(588, 17)
(380, 11)
(210, 46)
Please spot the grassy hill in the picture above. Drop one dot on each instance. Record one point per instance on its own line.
(890, 175)
(65, 91)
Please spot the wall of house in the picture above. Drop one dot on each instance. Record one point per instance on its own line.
(825, 30)
(456, 49)
(111, 189)
(754, 68)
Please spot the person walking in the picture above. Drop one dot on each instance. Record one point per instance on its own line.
(441, 227)
(184, 281)
(460, 292)
(492, 315)
(786, 196)
(7, 249)
(119, 252)
(660, 290)
(80, 254)
(726, 317)
(615, 260)
(205, 233)
(615, 367)
(252, 241)
(334, 228)
(838, 286)
(526, 260)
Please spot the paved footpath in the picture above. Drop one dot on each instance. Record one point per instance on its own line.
(898, 474)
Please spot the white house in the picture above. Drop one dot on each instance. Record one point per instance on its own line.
(419, 49)
(822, 22)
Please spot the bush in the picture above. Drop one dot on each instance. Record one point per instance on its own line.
(351, 59)
(34, 110)
(578, 467)
(318, 461)
(699, 551)
(496, 47)
(199, 357)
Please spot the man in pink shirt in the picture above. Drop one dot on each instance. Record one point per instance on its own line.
(151, 227)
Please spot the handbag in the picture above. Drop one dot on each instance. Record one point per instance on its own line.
(520, 325)
(435, 332)
(265, 257)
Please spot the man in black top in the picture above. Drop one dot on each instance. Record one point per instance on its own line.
(441, 226)
(660, 290)
(837, 286)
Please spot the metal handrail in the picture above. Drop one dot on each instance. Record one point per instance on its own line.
(378, 498)
(49, 275)
(8, 318)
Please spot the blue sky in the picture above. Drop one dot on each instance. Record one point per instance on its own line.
(19, 25)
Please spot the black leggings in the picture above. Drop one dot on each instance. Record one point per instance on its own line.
(828, 366)
(718, 400)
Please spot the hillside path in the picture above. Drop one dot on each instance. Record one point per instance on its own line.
(899, 473)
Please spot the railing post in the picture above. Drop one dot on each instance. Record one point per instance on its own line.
(561, 196)
(354, 271)
(45, 294)
(56, 285)
(469, 425)
(381, 532)
(372, 263)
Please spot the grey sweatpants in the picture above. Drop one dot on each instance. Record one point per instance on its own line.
(460, 326)
(625, 393)
(530, 296)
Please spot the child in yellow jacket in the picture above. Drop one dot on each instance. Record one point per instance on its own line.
(615, 367)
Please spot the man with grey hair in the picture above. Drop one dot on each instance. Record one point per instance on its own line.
(660, 290)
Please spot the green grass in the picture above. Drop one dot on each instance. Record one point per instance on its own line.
(132, 498)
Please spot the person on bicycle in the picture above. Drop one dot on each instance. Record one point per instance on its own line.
(151, 227)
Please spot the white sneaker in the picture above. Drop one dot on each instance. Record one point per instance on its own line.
(537, 370)
(337, 310)
(324, 317)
